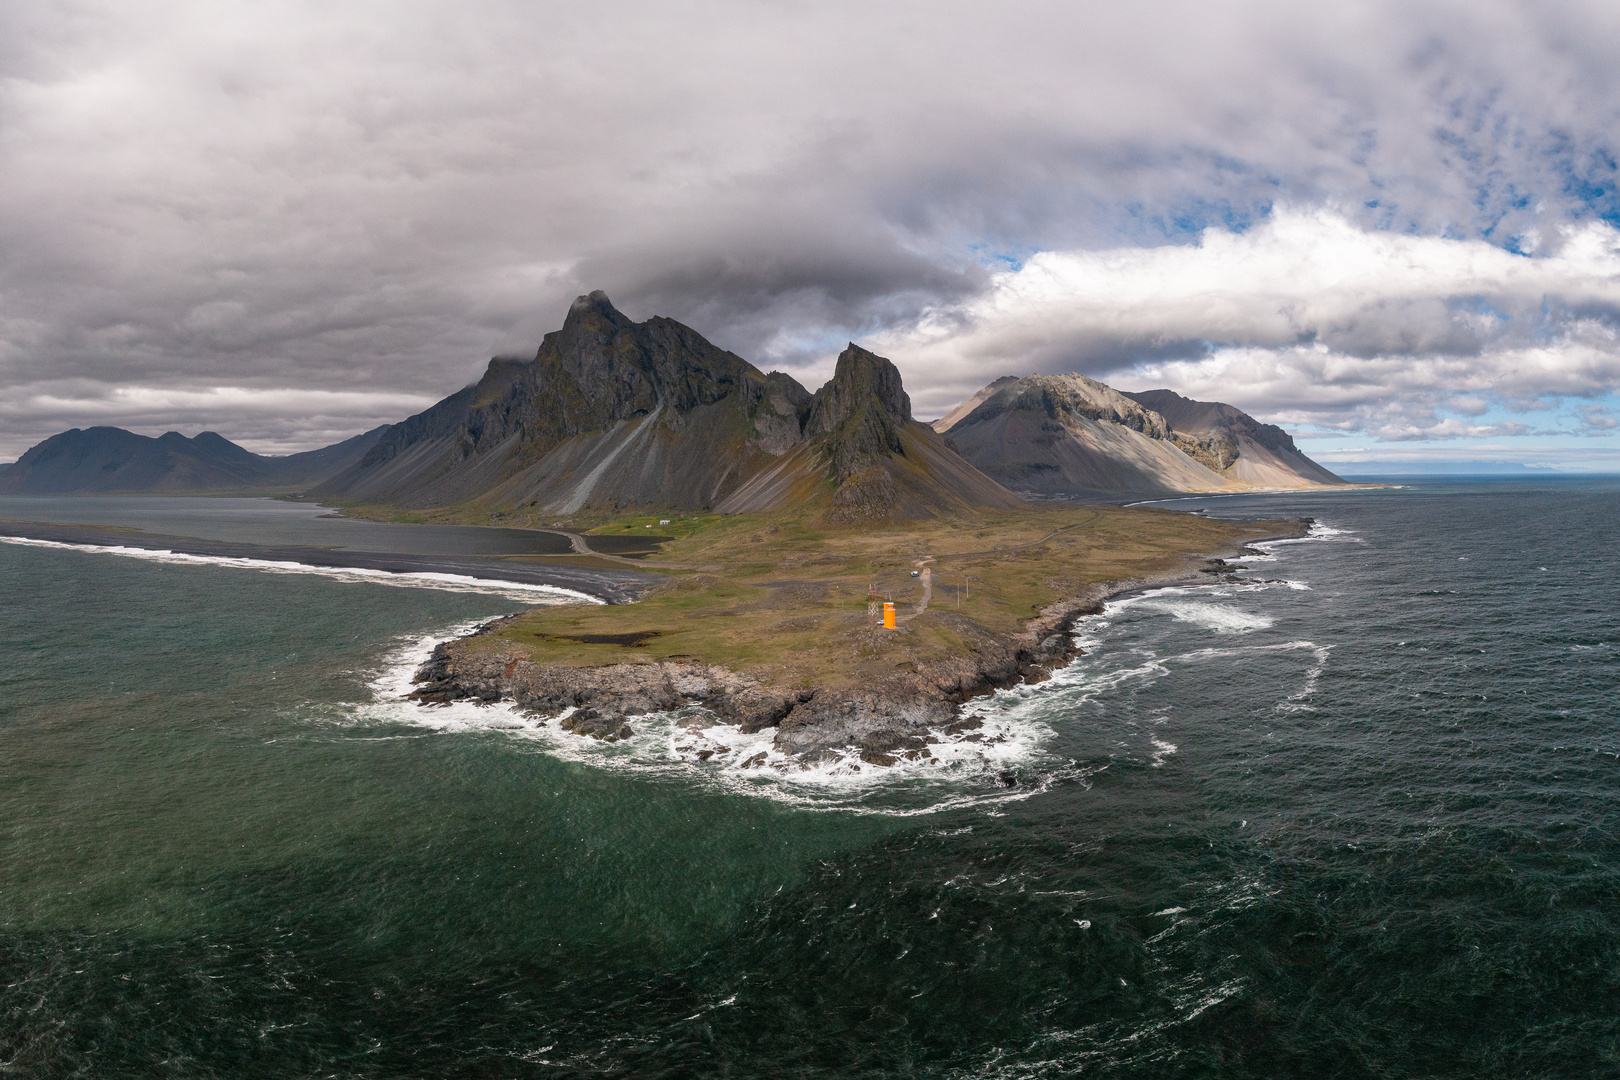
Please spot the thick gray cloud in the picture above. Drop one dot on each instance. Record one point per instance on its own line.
(289, 222)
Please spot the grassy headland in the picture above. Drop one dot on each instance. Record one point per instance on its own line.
(784, 597)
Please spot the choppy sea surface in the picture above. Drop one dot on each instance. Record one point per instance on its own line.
(1352, 815)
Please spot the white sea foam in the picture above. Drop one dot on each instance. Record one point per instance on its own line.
(1295, 702)
(955, 771)
(1319, 531)
(515, 590)
(1221, 618)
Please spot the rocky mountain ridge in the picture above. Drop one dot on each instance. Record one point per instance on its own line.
(613, 413)
(1069, 435)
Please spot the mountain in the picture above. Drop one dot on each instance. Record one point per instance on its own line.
(867, 458)
(949, 420)
(1234, 443)
(109, 459)
(1067, 434)
(610, 412)
(613, 413)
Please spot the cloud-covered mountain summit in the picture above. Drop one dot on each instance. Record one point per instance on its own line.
(283, 222)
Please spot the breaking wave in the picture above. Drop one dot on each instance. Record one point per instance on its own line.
(513, 590)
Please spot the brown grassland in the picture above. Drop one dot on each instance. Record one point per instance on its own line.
(785, 596)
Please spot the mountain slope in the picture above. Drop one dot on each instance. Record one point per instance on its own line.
(1067, 434)
(109, 459)
(1238, 445)
(1057, 434)
(950, 419)
(614, 413)
(610, 412)
(867, 459)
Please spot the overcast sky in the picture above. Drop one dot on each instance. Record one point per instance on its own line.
(1390, 227)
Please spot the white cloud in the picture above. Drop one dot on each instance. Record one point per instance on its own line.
(1397, 458)
(1306, 318)
(1597, 420)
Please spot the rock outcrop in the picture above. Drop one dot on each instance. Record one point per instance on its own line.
(1234, 444)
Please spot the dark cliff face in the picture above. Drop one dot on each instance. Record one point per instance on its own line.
(600, 368)
(610, 412)
(1230, 441)
(860, 412)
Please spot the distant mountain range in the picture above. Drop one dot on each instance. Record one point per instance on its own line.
(613, 413)
(103, 460)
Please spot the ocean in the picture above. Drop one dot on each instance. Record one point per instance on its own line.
(1354, 814)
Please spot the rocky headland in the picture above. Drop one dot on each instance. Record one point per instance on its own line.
(883, 717)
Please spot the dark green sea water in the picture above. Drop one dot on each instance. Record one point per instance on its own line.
(1355, 817)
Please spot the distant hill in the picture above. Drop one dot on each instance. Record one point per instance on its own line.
(613, 413)
(108, 459)
(1068, 434)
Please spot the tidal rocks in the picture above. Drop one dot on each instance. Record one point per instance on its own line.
(602, 697)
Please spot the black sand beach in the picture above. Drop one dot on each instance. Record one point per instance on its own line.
(613, 586)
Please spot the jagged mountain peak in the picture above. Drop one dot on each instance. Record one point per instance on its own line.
(593, 313)
(610, 412)
(614, 413)
(880, 464)
(859, 377)
(859, 414)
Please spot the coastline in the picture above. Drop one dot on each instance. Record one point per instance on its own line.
(608, 585)
(885, 720)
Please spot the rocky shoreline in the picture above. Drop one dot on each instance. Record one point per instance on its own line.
(883, 721)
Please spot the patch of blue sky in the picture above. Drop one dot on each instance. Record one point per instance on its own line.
(1186, 222)
(1590, 179)
(1000, 259)
(1479, 305)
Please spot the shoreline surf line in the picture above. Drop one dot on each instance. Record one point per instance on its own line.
(524, 592)
(610, 586)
